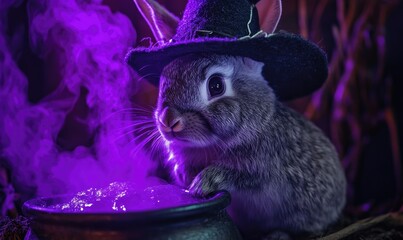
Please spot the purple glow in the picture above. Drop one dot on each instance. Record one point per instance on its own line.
(91, 42)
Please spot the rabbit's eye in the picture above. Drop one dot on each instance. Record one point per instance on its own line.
(216, 86)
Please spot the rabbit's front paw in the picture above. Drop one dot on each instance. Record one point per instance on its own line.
(206, 182)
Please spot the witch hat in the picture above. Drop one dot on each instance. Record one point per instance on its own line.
(293, 66)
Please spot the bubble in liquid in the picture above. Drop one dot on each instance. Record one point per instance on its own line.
(126, 197)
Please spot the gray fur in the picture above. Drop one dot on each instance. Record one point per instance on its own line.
(281, 170)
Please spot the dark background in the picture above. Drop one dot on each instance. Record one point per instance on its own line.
(368, 134)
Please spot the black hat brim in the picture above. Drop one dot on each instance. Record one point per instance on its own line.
(293, 66)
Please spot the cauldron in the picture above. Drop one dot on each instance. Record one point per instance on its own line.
(206, 219)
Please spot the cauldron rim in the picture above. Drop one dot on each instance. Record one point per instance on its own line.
(36, 209)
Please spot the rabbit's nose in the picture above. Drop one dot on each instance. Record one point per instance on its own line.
(171, 120)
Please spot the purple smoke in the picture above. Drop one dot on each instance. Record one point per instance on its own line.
(90, 42)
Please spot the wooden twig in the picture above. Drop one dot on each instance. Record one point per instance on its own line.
(391, 220)
(303, 19)
(394, 140)
(317, 15)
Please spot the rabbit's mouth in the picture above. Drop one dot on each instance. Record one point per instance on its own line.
(184, 128)
(190, 138)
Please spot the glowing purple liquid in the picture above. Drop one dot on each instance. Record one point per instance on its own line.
(125, 197)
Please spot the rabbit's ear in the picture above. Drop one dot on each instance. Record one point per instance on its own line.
(271, 13)
(163, 23)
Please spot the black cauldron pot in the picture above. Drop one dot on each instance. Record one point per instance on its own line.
(205, 220)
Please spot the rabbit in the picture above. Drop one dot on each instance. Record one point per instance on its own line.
(224, 129)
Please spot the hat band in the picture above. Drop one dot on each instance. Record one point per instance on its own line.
(209, 33)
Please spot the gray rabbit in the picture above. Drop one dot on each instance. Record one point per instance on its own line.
(222, 80)
(225, 130)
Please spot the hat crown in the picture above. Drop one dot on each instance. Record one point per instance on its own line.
(222, 17)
